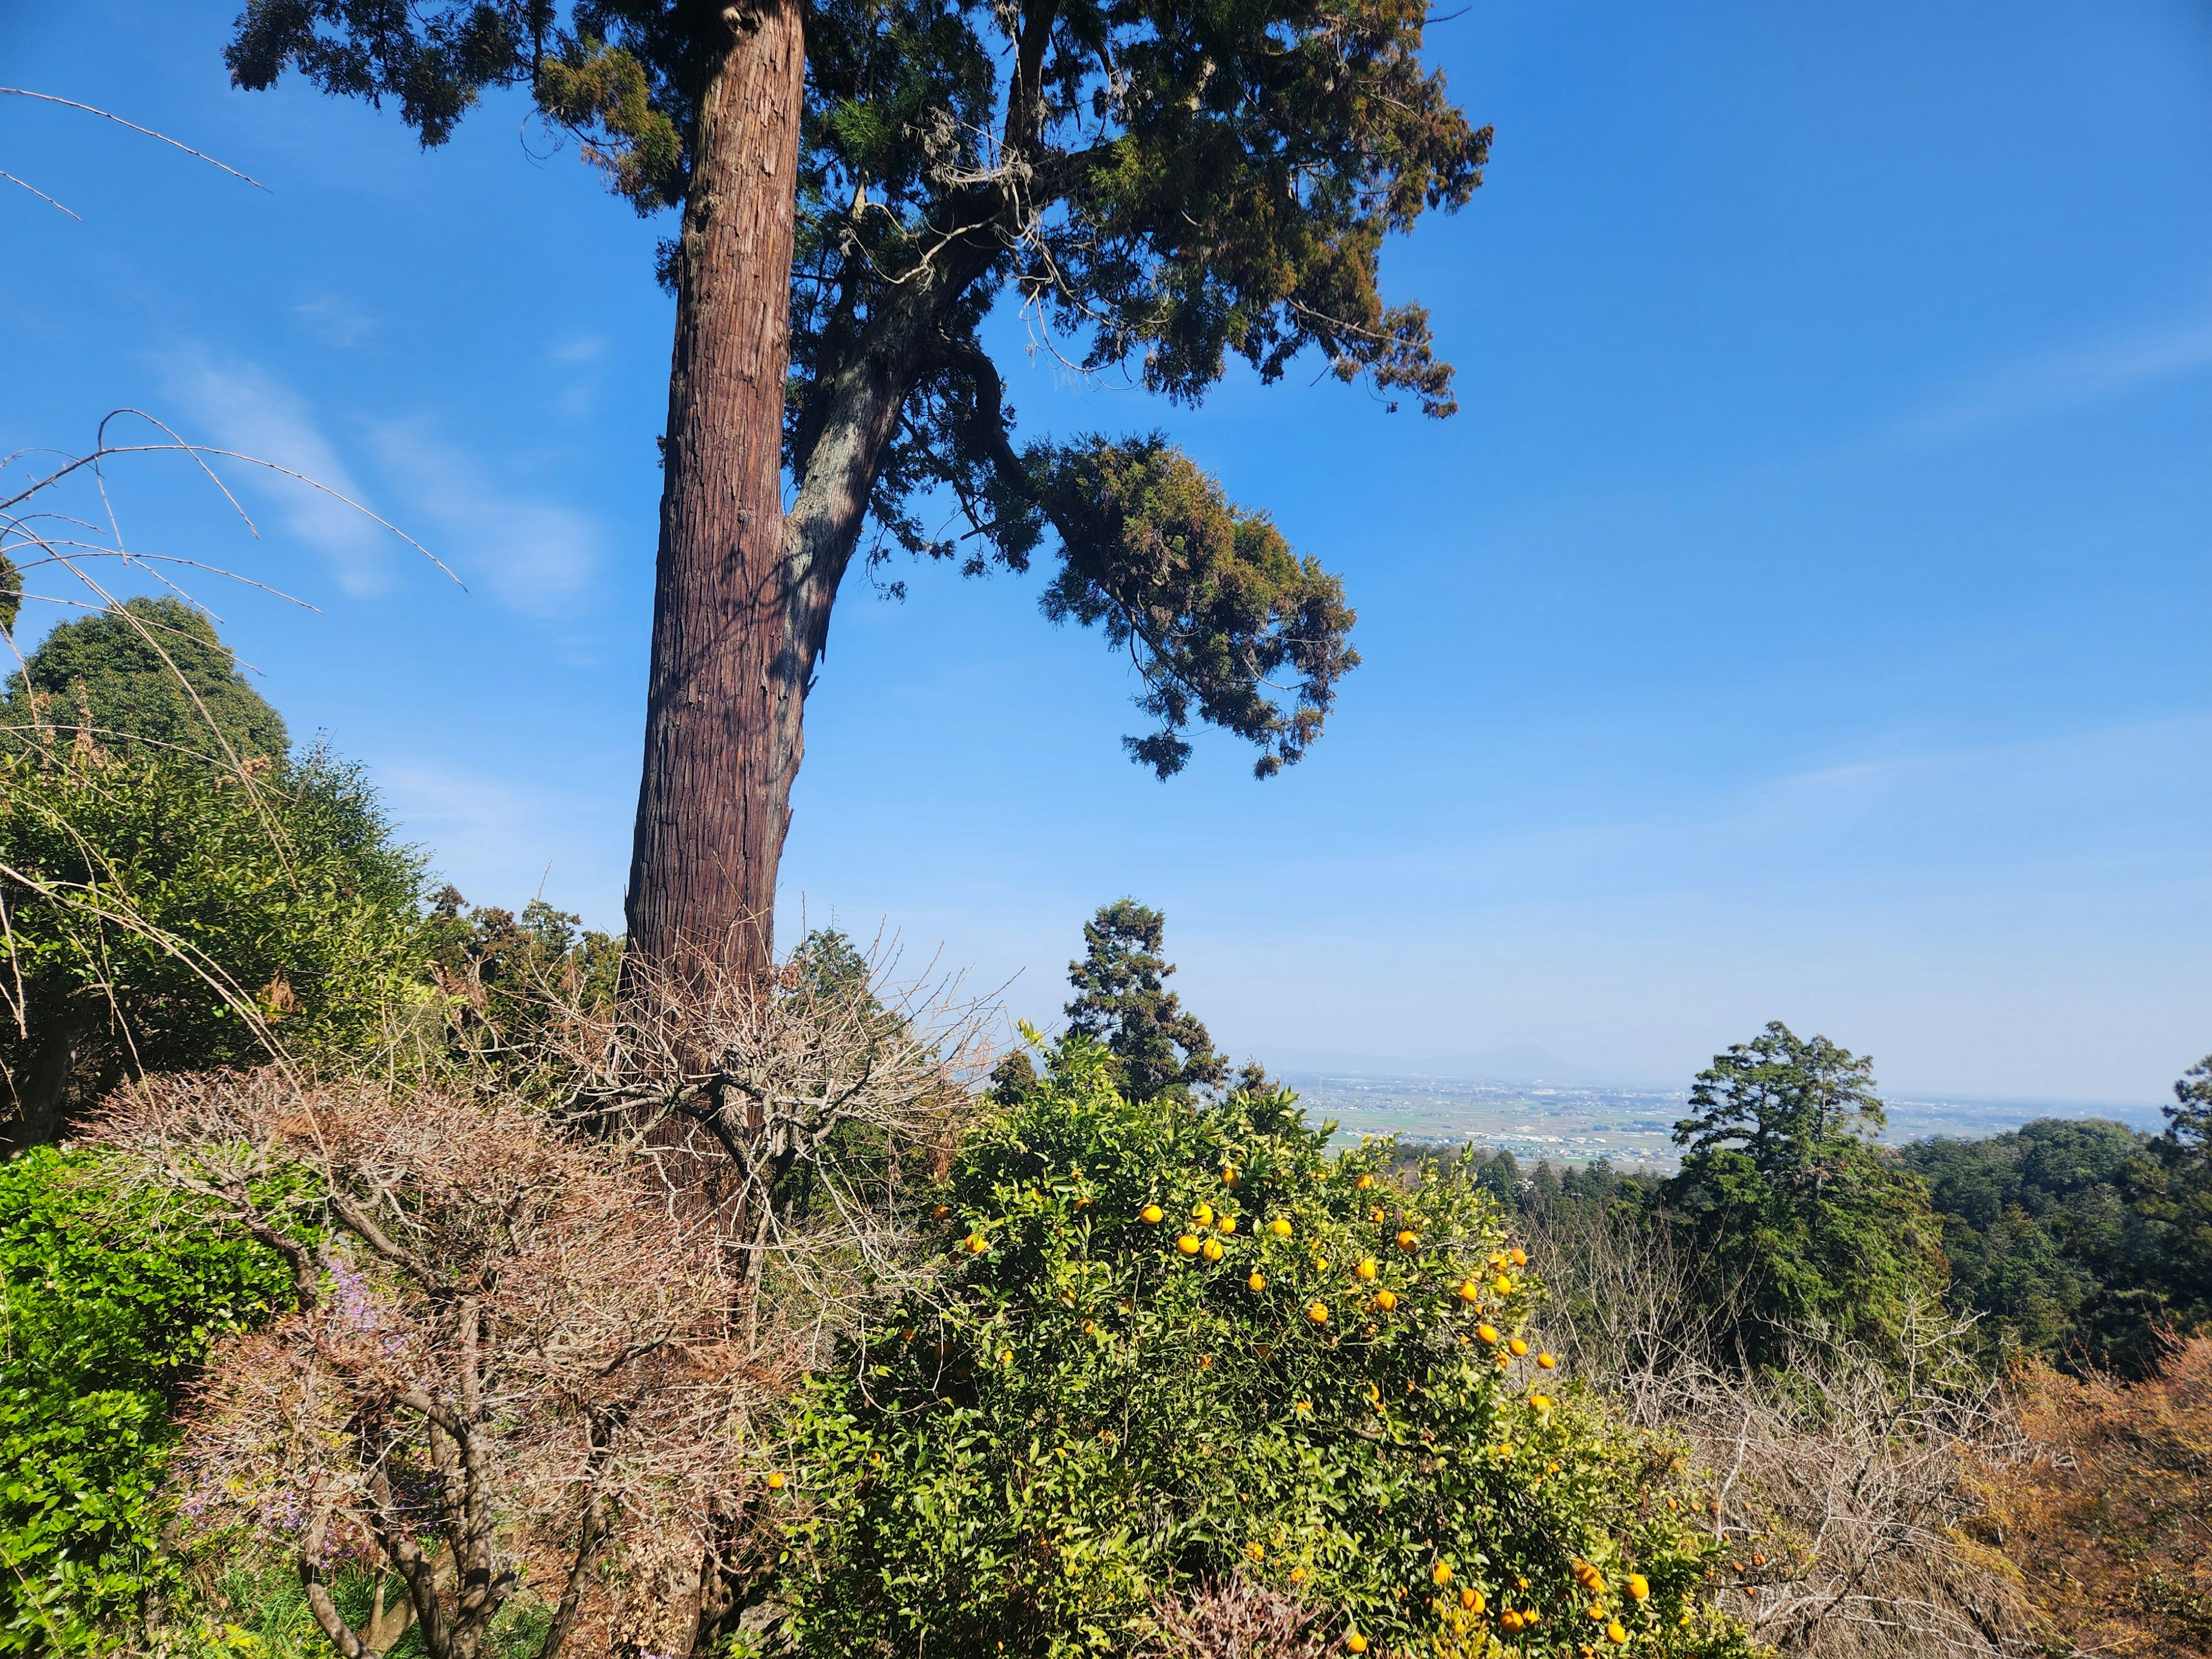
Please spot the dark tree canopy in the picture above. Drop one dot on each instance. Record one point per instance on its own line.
(1161, 188)
(2172, 1186)
(155, 678)
(1158, 1046)
(2041, 1239)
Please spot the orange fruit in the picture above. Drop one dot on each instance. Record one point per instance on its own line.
(1229, 1176)
(1503, 1286)
(1203, 1215)
(977, 1243)
(1227, 1224)
(1258, 1281)
(1214, 1249)
(1368, 1267)
(1318, 1312)
(1519, 1347)
(1356, 1642)
(1541, 1402)
(1639, 1586)
(1616, 1635)
(1546, 1361)
(775, 1482)
(1364, 1183)
(1471, 1599)
(1409, 1241)
(1487, 1332)
(1298, 1575)
(1386, 1300)
(1511, 1620)
(1469, 1291)
(1280, 1226)
(1187, 1244)
(1153, 1213)
(1442, 1573)
(1519, 1258)
(1253, 1552)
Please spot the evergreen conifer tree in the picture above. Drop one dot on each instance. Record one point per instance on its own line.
(860, 183)
(2173, 1190)
(1158, 1046)
(1785, 1192)
(154, 679)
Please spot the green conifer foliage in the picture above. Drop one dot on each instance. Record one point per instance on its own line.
(1163, 189)
(2173, 1190)
(1786, 1192)
(2042, 1240)
(1121, 999)
(153, 677)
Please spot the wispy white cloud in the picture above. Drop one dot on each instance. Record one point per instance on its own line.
(535, 555)
(241, 407)
(503, 842)
(334, 321)
(580, 354)
(2051, 382)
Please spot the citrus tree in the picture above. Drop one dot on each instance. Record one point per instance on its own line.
(1178, 1345)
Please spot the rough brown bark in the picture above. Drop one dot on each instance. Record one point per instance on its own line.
(734, 632)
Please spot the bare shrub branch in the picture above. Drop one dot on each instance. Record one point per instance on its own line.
(1844, 1483)
(808, 1114)
(511, 1348)
(1233, 1619)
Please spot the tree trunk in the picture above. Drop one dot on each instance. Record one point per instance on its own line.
(43, 1089)
(731, 614)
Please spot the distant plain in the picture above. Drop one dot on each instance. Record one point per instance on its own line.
(1576, 1123)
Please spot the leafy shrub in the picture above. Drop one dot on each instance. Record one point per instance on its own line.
(1174, 1345)
(149, 676)
(167, 914)
(113, 1296)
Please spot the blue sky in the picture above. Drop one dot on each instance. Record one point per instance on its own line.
(1802, 619)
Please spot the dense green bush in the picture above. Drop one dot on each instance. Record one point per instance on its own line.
(1177, 1343)
(112, 1298)
(149, 676)
(166, 912)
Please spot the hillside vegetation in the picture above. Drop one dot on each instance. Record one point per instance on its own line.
(413, 1282)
